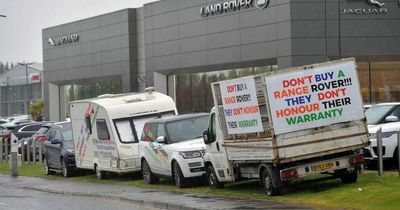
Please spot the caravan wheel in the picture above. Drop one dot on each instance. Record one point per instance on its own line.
(99, 173)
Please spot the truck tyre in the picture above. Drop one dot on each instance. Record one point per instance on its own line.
(179, 179)
(148, 176)
(66, 171)
(268, 184)
(349, 177)
(395, 159)
(212, 178)
(99, 173)
(47, 170)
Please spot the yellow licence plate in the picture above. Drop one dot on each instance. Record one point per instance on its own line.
(323, 166)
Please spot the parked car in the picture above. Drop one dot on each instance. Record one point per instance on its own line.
(59, 153)
(367, 106)
(24, 131)
(39, 136)
(5, 136)
(2, 121)
(385, 116)
(18, 119)
(173, 147)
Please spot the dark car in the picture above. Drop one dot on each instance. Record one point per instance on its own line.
(21, 131)
(59, 153)
(38, 137)
(24, 131)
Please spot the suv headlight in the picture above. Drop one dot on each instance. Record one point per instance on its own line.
(384, 135)
(71, 151)
(388, 134)
(190, 154)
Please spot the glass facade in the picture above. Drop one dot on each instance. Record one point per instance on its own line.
(193, 91)
(379, 81)
(88, 89)
(13, 98)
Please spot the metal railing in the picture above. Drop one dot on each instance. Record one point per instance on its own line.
(27, 155)
(380, 151)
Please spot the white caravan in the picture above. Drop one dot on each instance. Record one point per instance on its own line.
(107, 129)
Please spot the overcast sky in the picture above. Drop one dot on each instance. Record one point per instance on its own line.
(21, 30)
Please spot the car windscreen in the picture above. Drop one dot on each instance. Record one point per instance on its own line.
(42, 130)
(129, 129)
(186, 129)
(375, 113)
(67, 132)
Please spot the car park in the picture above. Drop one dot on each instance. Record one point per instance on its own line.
(385, 116)
(59, 153)
(173, 147)
(25, 131)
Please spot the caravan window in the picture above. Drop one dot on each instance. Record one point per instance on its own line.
(102, 130)
(125, 131)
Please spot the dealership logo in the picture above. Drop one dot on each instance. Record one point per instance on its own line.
(63, 40)
(367, 11)
(232, 6)
(376, 3)
(262, 4)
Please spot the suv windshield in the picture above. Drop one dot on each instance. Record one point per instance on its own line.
(186, 129)
(67, 132)
(375, 113)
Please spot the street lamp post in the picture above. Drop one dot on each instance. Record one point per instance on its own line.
(27, 85)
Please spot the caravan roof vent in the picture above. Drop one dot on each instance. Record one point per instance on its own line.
(149, 90)
(105, 95)
(131, 100)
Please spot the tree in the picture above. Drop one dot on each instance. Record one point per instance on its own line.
(36, 109)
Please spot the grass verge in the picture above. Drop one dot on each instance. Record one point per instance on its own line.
(370, 192)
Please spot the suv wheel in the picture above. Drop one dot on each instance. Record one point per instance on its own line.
(67, 171)
(180, 180)
(148, 176)
(47, 170)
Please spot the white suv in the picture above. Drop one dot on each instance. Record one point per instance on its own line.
(173, 147)
(385, 116)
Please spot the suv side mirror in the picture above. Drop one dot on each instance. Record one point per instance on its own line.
(206, 137)
(55, 141)
(161, 140)
(391, 119)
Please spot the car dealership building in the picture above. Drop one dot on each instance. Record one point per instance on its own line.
(181, 46)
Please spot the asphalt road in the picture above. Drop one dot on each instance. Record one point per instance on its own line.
(28, 193)
(12, 197)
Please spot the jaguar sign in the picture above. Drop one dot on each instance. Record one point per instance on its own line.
(63, 40)
(376, 9)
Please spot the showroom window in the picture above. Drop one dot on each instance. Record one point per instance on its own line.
(193, 91)
(379, 82)
(89, 89)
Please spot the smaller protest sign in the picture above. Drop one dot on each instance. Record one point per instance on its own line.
(240, 104)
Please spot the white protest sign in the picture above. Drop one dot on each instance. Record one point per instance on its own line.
(240, 105)
(315, 97)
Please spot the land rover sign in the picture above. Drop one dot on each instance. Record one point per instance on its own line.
(231, 6)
